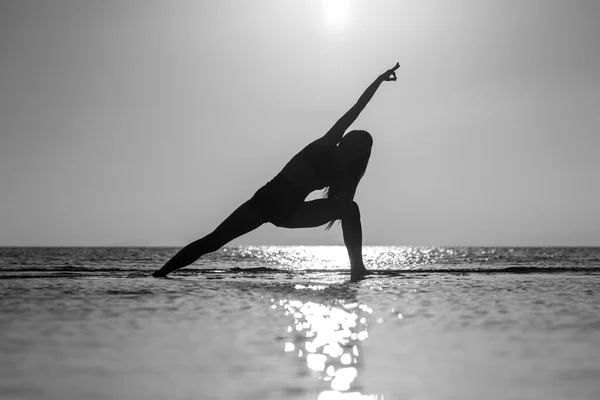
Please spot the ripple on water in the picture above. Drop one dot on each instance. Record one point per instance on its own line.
(308, 335)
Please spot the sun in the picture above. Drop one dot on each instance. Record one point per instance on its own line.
(335, 13)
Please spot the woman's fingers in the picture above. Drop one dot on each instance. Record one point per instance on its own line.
(390, 75)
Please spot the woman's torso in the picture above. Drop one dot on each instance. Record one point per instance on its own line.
(313, 168)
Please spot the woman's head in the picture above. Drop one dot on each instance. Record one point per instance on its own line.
(354, 146)
(352, 157)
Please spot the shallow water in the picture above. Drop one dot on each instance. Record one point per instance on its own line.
(289, 324)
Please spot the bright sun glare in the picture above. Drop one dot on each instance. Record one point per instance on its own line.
(335, 13)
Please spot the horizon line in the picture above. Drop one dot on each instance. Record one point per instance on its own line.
(306, 245)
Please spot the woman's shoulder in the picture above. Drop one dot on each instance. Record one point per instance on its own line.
(320, 145)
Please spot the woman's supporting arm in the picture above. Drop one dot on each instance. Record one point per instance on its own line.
(352, 231)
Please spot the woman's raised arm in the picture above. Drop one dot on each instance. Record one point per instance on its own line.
(337, 131)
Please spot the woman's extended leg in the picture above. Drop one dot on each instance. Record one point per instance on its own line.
(319, 212)
(241, 221)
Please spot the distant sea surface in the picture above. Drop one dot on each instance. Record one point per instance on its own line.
(286, 322)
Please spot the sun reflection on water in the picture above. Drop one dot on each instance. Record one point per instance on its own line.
(328, 338)
(335, 258)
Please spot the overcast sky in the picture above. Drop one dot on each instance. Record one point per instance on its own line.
(147, 122)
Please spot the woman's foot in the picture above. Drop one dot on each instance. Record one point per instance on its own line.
(159, 274)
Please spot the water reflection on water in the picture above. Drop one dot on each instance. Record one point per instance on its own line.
(327, 337)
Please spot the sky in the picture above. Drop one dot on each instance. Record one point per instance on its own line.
(147, 122)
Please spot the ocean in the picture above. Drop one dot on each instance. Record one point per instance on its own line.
(286, 322)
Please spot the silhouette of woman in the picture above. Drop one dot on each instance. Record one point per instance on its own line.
(335, 161)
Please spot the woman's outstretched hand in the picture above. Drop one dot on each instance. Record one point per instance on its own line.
(390, 74)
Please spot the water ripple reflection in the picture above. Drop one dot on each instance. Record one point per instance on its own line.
(327, 338)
